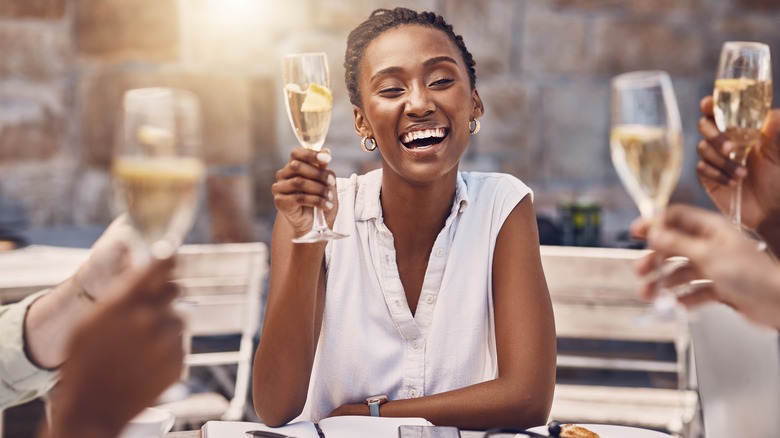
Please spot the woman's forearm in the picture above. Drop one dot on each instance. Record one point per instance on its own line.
(284, 358)
(495, 403)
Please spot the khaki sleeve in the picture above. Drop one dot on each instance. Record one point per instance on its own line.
(20, 379)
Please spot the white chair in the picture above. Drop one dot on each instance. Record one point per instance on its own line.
(594, 293)
(222, 288)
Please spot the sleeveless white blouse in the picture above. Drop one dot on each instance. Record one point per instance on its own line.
(370, 343)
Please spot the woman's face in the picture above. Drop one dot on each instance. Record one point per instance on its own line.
(417, 102)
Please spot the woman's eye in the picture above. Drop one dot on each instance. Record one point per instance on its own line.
(391, 91)
(442, 82)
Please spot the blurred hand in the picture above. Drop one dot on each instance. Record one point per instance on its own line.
(678, 273)
(109, 258)
(718, 174)
(743, 277)
(123, 354)
(303, 183)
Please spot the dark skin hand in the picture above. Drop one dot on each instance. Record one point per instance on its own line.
(123, 355)
(303, 183)
(760, 177)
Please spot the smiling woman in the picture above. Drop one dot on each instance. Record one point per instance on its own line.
(437, 299)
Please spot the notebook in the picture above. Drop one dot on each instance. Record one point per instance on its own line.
(738, 372)
(333, 427)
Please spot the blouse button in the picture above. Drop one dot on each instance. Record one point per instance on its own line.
(415, 344)
(429, 299)
(439, 252)
(413, 393)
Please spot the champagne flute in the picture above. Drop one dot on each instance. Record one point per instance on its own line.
(647, 151)
(309, 103)
(742, 98)
(157, 170)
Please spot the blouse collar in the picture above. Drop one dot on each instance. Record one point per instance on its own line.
(368, 205)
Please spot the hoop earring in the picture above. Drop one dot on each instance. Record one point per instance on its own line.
(474, 126)
(366, 148)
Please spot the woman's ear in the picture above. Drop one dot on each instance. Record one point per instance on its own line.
(362, 127)
(478, 108)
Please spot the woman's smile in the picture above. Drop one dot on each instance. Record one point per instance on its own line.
(423, 140)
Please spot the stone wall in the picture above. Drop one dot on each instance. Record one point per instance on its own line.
(543, 71)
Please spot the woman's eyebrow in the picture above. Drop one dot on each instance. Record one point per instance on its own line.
(386, 71)
(438, 60)
(428, 63)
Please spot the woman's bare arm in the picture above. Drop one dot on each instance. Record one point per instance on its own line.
(293, 317)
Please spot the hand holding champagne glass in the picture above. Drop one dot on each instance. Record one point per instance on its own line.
(309, 103)
(646, 144)
(742, 98)
(157, 168)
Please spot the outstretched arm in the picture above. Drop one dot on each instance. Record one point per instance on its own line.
(51, 319)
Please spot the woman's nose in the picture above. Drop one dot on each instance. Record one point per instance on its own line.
(419, 102)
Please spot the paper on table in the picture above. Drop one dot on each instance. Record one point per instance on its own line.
(333, 427)
(361, 427)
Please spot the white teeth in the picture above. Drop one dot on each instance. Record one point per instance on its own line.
(425, 133)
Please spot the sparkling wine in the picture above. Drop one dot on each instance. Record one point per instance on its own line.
(309, 113)
(160, 194)
(648, 160)
(741, 105)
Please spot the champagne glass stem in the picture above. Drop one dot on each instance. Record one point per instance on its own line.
(736, 205)
(319, 223)
(665, 302)
(320, 231)
(735, 208)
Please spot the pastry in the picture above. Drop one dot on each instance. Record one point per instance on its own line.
(574, 431)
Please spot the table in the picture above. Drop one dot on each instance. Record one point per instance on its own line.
(196, 434)
(28, 270)
(611, 430)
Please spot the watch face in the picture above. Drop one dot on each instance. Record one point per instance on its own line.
(376, 399)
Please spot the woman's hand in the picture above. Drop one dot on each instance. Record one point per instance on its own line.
(761, 177)
(303, 183)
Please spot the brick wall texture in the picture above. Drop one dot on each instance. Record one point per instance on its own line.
(543, 69)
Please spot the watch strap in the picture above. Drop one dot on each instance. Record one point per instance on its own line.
(373, 408)
(373, 404)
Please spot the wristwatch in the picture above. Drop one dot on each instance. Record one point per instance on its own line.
(373, 403)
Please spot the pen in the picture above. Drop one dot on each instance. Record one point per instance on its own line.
(266, 434)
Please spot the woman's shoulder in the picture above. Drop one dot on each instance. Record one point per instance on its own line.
(494, 182)
(353, 182)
